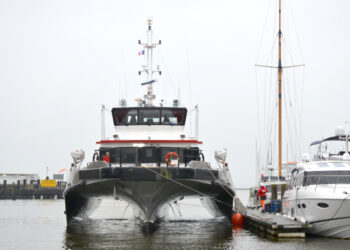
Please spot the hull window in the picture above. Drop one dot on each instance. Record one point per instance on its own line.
(323, 205)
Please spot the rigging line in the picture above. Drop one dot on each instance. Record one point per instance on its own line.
(287, 116)
(266, 106)
(265, 102)
(188, 187)
(296, 31)
(271, 100)
(272, 136)
(286, 48)
(274, 28)
(168, 72)
(263, 31)
(257, 103)
(272, 108)
(189, 89)
(229, 193)
(296, 113)
(293, 121)
(270, 55)
(290, 115)
(302, 106)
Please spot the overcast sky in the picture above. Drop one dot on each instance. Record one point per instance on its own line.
(60, 60)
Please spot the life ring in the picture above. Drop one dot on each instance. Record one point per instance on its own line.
(167, 158)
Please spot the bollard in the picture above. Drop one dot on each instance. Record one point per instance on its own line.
(273, 191)
(251, 192)
(5, 184)
(283, 190)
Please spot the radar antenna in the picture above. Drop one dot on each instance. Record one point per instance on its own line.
(148, 68)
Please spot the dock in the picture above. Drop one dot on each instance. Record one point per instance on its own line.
(275, 225)
(31, 190)
(271, 224)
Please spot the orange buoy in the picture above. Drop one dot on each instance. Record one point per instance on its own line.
(237, 220)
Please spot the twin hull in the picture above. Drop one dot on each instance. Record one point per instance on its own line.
(147, 189)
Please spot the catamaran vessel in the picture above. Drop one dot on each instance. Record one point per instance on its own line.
(150, 163)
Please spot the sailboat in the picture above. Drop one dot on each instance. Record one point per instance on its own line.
(268, 176)
(150, 163)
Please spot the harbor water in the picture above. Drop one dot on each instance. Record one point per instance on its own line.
(41, 224)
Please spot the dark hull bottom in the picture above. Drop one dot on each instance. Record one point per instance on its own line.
(147, 194)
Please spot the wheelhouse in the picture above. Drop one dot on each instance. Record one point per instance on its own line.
(149, 116)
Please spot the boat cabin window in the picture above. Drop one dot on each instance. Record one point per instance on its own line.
(149, 116)
(299, 179)
(173, 117)
(126, 116)
(326, 177)
(128, 155)
(135, 155)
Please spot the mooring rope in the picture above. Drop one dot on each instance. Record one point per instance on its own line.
(188, 187)
(217, 179)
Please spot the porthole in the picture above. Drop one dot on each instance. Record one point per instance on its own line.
(303, 205)
(323, 205)
(299, 206)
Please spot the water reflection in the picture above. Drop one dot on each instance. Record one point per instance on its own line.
(107, 234)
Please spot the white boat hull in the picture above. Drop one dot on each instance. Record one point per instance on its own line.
(332, 220)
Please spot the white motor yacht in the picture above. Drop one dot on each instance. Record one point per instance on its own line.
(319, 190)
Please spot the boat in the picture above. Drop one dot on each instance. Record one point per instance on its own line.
(269, 178)
(319, 190)
(267, 173)
(150, 163)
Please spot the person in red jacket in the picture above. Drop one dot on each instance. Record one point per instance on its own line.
(262, 193)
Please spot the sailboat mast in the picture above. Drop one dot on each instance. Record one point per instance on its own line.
(279, 89)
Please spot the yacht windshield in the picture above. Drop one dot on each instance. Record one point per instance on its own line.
(149, 116)
(326, 177)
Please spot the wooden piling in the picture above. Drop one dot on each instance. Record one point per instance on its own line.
(4, 187)
(274, 192)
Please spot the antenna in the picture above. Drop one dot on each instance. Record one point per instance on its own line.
(103, 123)
(148, 68)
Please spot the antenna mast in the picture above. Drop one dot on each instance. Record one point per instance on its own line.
(148, 68)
